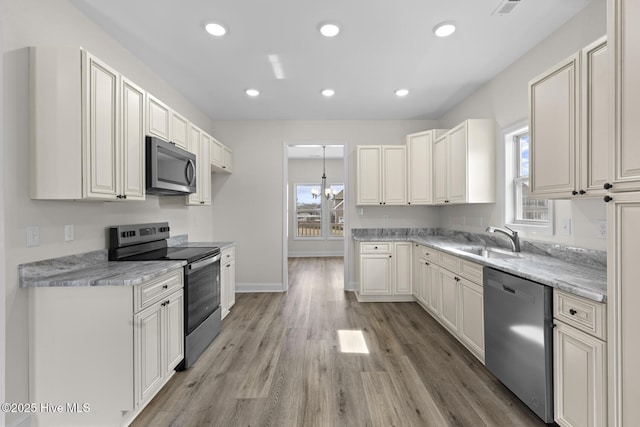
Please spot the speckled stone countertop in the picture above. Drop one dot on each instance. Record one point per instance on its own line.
(92, 269)
(578, 271)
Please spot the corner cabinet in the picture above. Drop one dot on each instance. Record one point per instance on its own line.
(623, 34)
(111, 346)
(464, 164)
(568, 126)
(227, 280)
(579, 361)
(420, 166)
(200, 145)
(87, 128)
(381, 175)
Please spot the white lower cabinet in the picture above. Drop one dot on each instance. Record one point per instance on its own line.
(385, 271)
(113, 347)
(449, 299)
(579, 362)
(228, 280)
(471, 321)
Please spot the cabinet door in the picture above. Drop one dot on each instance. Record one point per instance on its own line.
(449, 299)
(594, 138)
(102, 142)
(419, 188)
(394, 175)
(133, 133)
(224, 289)
(216, 154)
(623, 34)
(457, 165)
(552, 130)
(231, 283)
(204, 169)
(417, 274)
(195, 136)
(433, 285)
(180, 130)
(623, 294)
(174, 330)
(579, 378)
(440, 170)
(369, 162)
(375, 274)
(471, 326)
(227, 159)
(148, 351)
(158, 118)
(403, 268)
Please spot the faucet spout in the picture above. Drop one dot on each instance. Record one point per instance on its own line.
(511, 234)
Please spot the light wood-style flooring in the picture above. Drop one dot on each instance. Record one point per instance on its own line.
(278, 362)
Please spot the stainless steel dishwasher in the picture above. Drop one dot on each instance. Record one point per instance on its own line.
(518, 324)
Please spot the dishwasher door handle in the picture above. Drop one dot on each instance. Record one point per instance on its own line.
(508, 289)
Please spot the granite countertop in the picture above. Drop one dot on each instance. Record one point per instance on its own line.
(92, 269)
(577, 271)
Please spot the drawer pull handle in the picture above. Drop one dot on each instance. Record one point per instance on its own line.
(165, 286)
(573, 312)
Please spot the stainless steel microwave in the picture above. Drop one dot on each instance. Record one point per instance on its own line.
(170, 170)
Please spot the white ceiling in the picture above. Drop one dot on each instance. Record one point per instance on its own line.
(384, 45)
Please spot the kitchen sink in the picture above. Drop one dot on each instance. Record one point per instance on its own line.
(488, 252)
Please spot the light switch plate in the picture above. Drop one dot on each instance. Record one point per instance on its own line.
(33, 236)
(69, 233)
(565, 226)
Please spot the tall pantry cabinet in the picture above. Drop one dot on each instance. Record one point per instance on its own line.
(623, 270)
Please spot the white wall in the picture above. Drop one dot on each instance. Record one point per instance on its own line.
(3, 340)
(58, 23)
(309, 171)
(505, 98)
(258, 164)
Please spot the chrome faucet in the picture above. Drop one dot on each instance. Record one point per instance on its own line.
(511, 234)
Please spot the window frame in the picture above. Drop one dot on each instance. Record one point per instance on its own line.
(514, 181)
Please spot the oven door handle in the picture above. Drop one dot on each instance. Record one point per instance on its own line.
(199, 264)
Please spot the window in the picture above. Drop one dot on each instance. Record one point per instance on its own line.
(523, 210)
(316, 216)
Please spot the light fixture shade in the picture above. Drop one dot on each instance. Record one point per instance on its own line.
(215, 29)
(444, 29)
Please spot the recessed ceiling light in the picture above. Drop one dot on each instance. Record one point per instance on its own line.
(328, 92)
(252, 92)
(444, 29)
(329, 29)
(402, 92)
(215, 29)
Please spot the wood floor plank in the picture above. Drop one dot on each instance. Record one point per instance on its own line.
(278, 362)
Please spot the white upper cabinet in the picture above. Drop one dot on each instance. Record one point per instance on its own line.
(419, 166)
(382, 178)
(464, 164)
(221, 157)
(158, 118)
(87, 128)
(199, 144)
(623, 34)
(568, 126)
(179, 130)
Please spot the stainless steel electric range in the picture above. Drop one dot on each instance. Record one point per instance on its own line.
(202, 312)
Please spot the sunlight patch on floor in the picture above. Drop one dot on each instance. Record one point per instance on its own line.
(352, 342)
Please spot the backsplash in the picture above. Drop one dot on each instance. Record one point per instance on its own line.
(570, 254)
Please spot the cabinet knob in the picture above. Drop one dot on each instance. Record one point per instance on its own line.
(389, 256)
(574, 192)
(572, 312)
(607, 199)
(426, 263)
(124, 196)
(165, 286)
(583, 192)
(457, 279)
(607, 186)
(375, 247)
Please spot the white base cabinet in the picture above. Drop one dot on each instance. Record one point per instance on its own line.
(228, 280)
(111, 347)
(385, 271)
(579, 361)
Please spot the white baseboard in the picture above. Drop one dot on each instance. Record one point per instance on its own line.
(321, 254)
(258, 287)
(352, 286)
(384, 298)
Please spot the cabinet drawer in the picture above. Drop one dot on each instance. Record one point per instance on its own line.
(450, 262)
(154, 290)
(581, 313)
(429, 254)
(228, 254)
(375, 247)
(471, 271)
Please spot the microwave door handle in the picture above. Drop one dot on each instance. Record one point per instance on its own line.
(190, 171)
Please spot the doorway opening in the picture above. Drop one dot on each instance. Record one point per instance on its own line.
(315, 199)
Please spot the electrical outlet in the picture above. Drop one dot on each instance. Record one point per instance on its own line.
(361, 211)
(601, 229)
(565, 226)
(69, 233)
(33, 236)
